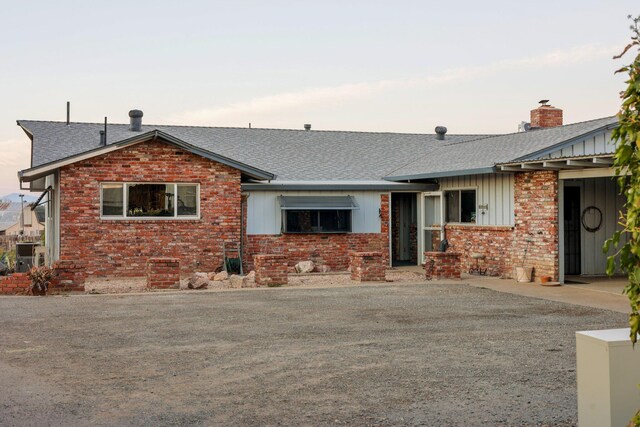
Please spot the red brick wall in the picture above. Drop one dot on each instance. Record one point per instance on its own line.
(122, 247)
(367, 267)
(163, 273)
(492, 241)
(442, 265)
(15, 284)
(271, 269)
(323, 249)
(68, 276)
(536, 215)
(536, 219)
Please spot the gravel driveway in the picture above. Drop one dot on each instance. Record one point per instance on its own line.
(387, 354)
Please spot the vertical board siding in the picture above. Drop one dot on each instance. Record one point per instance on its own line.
(495, 190)
(603, 194)
(599, 144)
(265, 217)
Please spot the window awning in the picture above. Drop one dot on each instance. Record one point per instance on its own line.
(317, 203)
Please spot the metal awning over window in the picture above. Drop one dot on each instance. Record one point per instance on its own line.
(317, 203)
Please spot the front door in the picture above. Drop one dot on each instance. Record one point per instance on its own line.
(572, 229)
(432, 222)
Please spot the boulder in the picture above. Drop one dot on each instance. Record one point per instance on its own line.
(211, 275)
(250, 280)
(304, 267)
(322, 269)
(198, 281)
(236, 281)
(223, 275)
(218, 284)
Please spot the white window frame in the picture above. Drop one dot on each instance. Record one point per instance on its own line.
(125, 203)
(446, 211)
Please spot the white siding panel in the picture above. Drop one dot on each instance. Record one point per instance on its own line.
(494, 190)
(264, 215)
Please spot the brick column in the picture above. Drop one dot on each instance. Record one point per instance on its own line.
(442, 265)
(271, 269)
(69, 276)
(163, 273)
(367, 266)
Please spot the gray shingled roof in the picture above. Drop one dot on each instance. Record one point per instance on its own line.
(299, 155)
(485, 153)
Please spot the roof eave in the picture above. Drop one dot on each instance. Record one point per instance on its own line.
(31, 174)
(463, 172)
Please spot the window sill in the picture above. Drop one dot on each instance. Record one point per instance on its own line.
(147, 219)
(316, 232)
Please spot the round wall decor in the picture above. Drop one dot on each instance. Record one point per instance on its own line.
(591, 219)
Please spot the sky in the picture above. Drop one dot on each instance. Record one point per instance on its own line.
(401, 66)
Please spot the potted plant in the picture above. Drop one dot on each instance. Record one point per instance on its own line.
(40, 279)
(523, 274)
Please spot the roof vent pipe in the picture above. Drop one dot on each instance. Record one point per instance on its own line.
(135, 117)
(440, 131)
(68, 113)
(103, 139)
(307, 127)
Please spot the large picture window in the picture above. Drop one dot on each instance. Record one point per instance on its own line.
(460, 206)
(149, 200)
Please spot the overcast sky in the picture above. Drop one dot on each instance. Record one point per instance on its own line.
(404, 66)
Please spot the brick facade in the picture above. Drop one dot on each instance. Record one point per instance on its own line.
(122, 247)
(271, 269)
(69, 276)
(495, 243)
(442, 265)
(536, 221)
(163, 273)
(367, 266)
(331, 250)
(15, 284)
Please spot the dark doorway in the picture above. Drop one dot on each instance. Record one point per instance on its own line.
(404, 245)
(572, 230)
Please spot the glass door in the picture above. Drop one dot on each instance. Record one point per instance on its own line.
(432, 222)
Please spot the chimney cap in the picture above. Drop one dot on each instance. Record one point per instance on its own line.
(543, 102)
(307, 126)
(135, 114)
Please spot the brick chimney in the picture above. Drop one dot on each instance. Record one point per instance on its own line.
(546, 116)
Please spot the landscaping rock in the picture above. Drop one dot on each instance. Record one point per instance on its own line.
(305, 267)
(223, 275)
(198, 281)
(236, 281)
(211, 275)
(322, 269)
(218, 284)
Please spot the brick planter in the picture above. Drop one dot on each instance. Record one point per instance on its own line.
(69, 276)
(271, 269)
(15, 284)
(442, 265)
(367, 266)
(163, 273)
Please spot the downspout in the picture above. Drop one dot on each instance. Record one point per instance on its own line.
(244, 197)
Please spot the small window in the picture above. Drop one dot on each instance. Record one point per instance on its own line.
(461, 206)
(112, 200)
(149, 200)
(317, 221)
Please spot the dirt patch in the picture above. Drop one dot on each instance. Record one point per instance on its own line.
(410, 354)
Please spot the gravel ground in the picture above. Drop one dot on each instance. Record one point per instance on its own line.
(390, 354)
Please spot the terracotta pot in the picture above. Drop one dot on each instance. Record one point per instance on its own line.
(545, 279)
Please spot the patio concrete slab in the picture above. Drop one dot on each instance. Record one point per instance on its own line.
(605, 294)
